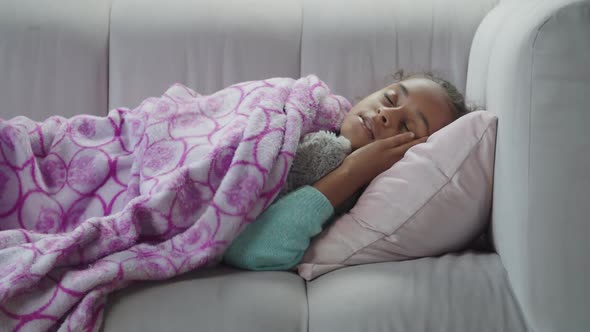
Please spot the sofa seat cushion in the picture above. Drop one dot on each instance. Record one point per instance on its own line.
(220, 299)
(468, 292)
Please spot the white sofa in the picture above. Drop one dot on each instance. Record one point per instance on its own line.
(527, 61)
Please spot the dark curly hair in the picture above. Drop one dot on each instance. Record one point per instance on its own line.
(455, 98)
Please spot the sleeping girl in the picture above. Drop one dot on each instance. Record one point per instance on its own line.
(331, 169)
(93, 203)
(108, 167)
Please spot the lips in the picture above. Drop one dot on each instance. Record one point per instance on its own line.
(367, 126)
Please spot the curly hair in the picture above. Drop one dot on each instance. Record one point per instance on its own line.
(455, 98)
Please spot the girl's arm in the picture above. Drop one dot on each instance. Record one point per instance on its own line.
(363, 165)
(279, 237)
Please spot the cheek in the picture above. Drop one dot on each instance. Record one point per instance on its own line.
(349, 125)
(445, 120)
(437, 125)
(356, 109)
(353, 132)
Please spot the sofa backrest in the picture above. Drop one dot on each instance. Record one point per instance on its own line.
(53, 57)
(66, 57)
(204, 44)
(356, 46)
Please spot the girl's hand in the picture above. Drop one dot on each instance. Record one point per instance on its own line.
(363, 165)
(375, 158)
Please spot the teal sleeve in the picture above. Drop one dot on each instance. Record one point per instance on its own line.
(278, 238)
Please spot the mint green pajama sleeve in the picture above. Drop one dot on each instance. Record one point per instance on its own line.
(278, 238)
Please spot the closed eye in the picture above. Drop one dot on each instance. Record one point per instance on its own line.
(389, 100)
(405, 127)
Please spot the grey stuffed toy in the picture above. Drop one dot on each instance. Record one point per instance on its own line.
(317, 155)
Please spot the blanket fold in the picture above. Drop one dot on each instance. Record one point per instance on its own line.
(90, 204)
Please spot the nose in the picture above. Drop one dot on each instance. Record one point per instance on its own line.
(387, 116)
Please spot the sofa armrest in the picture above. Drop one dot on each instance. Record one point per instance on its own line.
(538, 82)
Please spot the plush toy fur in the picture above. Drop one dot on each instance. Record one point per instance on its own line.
(317, 155)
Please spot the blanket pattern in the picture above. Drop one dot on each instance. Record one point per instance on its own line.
(90, 204)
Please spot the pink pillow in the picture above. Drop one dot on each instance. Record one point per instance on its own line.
(437, 199)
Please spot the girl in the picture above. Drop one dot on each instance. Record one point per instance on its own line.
(373, 136)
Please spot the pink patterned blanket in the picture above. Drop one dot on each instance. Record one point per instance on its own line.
(90, 204)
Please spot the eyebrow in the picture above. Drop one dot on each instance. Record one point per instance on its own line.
(420, 114)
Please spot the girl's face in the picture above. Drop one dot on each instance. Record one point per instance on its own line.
(418, 105)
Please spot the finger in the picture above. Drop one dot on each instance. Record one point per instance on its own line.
(399, 139)
(406, 146)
